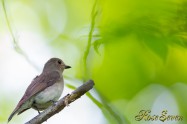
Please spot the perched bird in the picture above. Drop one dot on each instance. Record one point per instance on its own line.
(45, 89)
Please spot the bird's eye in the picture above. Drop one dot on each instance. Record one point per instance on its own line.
(59, 62)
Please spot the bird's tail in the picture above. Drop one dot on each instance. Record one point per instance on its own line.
(12, 114)
(18, 111)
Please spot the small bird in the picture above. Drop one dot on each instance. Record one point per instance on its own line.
(45, 89)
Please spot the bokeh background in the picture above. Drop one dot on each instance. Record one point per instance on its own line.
(135, 51)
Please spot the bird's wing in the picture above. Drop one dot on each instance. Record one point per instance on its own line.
(37, 85)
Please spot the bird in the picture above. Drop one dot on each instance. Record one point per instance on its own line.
(44, 90)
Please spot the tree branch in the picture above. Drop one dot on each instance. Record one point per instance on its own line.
(62, 103)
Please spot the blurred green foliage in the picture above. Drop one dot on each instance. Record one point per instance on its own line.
(144, 43)
(134, 50)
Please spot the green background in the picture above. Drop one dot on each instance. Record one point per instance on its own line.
(134, 50)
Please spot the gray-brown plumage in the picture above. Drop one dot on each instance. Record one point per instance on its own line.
(44, 89)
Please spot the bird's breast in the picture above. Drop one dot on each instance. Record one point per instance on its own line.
(52, 93)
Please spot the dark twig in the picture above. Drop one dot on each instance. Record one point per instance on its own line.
(62, 103)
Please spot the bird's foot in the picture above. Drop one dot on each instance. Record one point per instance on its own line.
(38, 111)
(54, 102)
(36, 107)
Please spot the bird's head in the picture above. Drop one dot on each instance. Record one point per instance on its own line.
(55, 64)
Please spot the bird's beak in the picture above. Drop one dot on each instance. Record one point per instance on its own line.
(67, 66)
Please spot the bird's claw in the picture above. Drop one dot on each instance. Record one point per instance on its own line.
(54, 102)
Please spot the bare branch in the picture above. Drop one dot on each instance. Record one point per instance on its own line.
(62, 103)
